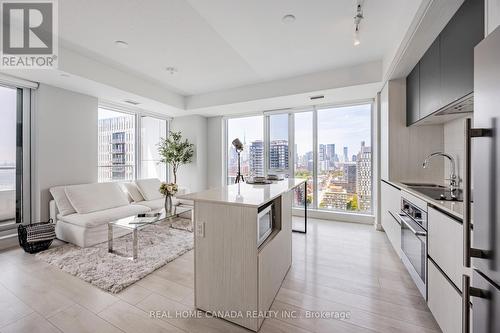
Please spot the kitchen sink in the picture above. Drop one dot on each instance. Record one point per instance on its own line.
(433, 191)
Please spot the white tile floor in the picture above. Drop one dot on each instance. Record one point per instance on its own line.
(336, 267)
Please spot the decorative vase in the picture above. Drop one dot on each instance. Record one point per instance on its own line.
(168, 203)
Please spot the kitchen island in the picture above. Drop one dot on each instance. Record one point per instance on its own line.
(236, 276)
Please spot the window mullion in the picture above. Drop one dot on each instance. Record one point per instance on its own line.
(315, 158)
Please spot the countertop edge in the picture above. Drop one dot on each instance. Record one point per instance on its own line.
(233, 203)
(435, 203)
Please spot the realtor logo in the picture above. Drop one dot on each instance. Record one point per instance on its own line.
(29, 34)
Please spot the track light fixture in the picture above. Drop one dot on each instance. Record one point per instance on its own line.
(357, 21)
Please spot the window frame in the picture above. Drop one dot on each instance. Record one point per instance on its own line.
(138, 114)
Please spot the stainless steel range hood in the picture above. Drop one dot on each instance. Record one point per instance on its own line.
(455, 110)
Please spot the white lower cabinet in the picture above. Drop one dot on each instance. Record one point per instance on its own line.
(444, 300)
(391, 203)
(445, 242)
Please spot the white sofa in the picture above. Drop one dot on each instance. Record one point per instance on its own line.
(82, 212)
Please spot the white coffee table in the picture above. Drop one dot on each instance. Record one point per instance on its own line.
(131, 223)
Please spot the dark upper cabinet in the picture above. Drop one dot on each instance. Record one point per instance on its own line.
(430, 81)
(446, 71)
(412, 96)
(458, 39)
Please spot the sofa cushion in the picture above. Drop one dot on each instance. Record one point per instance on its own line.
(88, 198)
(149, 188)
(152, 204)
(101, 217)
(133, 192)
(62, 202)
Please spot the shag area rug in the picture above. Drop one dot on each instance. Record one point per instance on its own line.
(158, 245)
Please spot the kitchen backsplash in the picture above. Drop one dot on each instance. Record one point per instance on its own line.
(454, 138)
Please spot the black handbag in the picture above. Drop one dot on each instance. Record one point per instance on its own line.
(36, 237)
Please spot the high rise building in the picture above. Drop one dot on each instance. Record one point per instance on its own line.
(278, 154)
(322, 152)
(330, 151)
(346, 155)
(256, 158)
(350, 176)
(364, 177)
(116, 139)
(309, 161)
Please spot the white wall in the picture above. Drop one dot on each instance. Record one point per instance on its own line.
(193, 176)
(64, 142)
(492, 15)
(215, 148)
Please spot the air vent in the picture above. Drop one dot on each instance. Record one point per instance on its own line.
(129, 101)
(316, 97)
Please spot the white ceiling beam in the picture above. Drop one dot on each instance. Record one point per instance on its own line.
(310, 83)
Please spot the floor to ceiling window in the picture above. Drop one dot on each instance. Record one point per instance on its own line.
(250, 131)
(152, 131)
(14, 157)
(328, 146)
(128, 145)
(116, 145)
(8, 125)
(344, 158)
(304, 156)
(278, 146)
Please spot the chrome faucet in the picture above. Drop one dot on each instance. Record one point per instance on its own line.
(453, 176)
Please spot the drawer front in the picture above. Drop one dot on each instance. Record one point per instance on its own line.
(444, 301)
(445, 245)
(390, 202)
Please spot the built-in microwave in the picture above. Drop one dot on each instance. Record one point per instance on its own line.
(265, 221)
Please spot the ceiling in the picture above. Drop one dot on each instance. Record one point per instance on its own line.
(218, 45)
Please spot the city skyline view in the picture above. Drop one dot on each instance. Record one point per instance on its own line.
(344, 126)
(343, 160)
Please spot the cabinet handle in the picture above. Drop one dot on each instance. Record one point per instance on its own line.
(465, 304)
(467, 292)
(468, 251)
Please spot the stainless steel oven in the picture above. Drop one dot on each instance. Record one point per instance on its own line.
(265, 222)
(414, 243)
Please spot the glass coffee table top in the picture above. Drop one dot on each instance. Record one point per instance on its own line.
(155, 216)
(136, 223)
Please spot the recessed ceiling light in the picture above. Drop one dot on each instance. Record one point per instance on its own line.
(171, 70)
(131, 101)
(287, 19)
(121, 44)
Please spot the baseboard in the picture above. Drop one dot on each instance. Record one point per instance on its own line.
(335, 216)
(8, 241)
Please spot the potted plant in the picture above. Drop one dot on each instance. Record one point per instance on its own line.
(175, 151)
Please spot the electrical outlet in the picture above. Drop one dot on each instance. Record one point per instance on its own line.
(200, 229)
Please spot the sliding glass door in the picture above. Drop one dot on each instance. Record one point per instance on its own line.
(13, 137)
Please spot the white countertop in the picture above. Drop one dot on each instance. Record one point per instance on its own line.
(244, 194)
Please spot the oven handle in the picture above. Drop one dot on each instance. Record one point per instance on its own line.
(412, 229)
